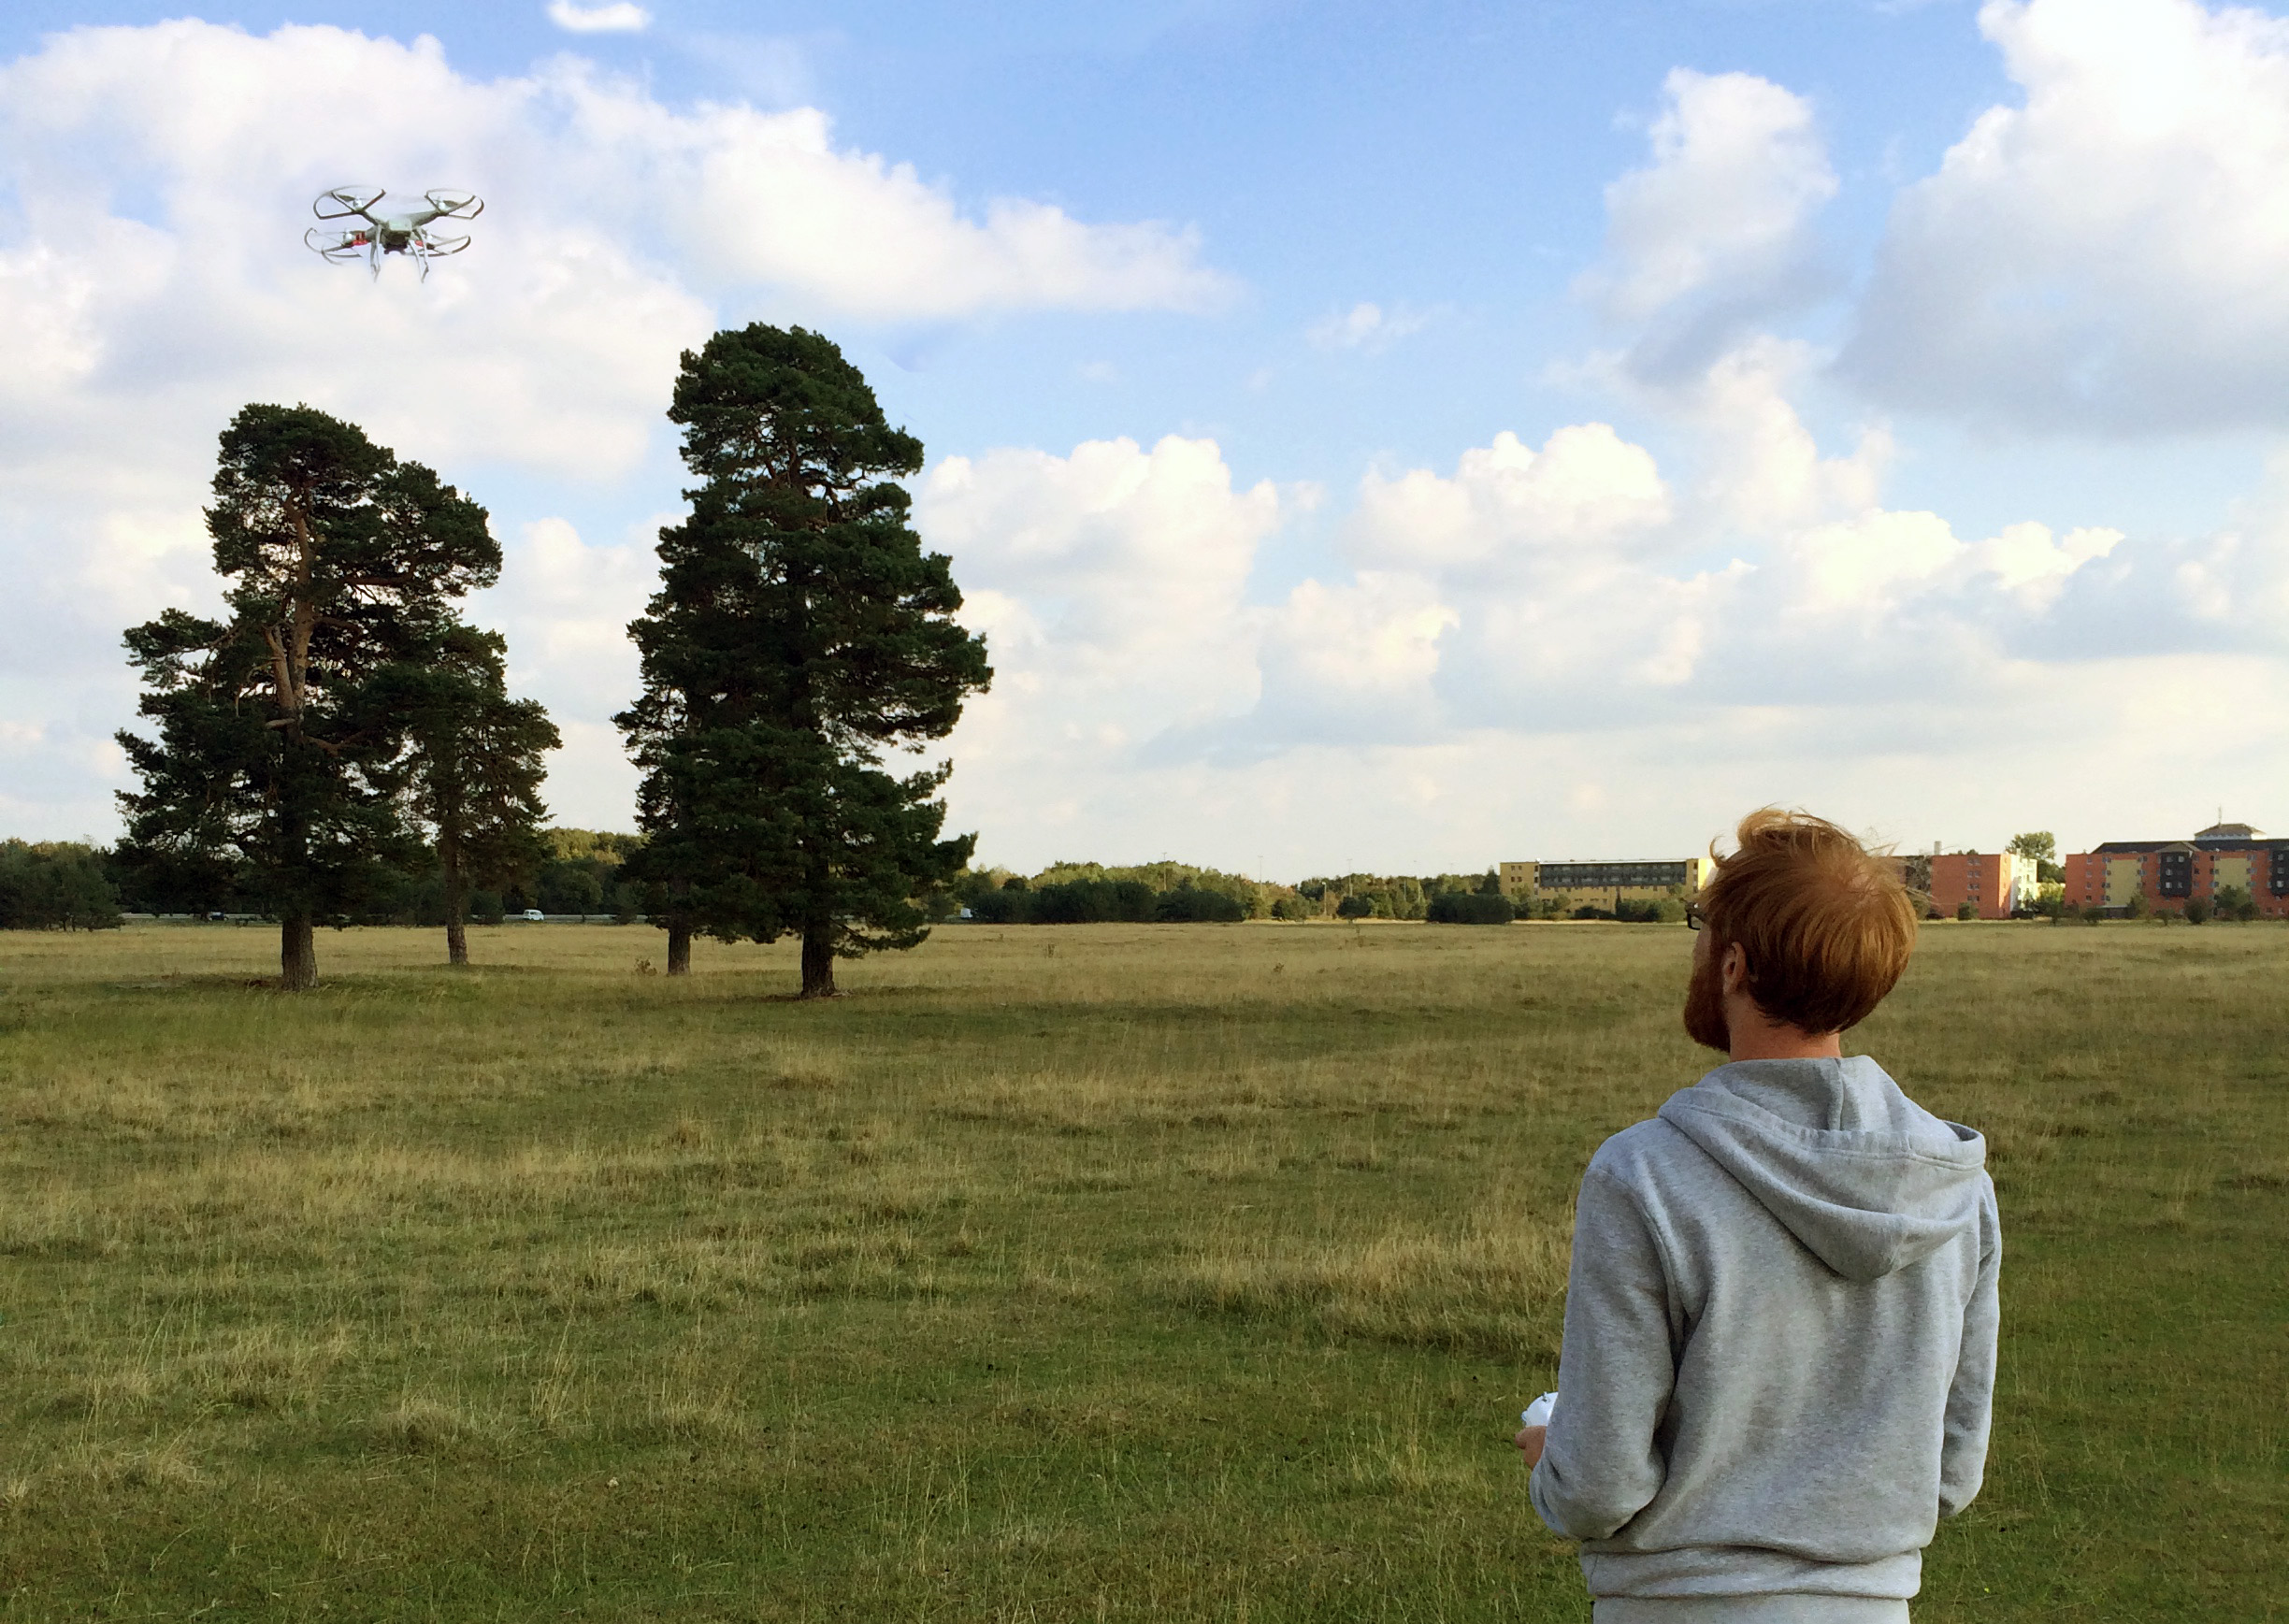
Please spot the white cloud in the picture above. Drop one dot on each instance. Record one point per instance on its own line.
(1116, 573)
(2109, 255)
(1738, 168)
(1505, 645)
(622, 18)
(1110, 585)
(1586, 488)
(152, 280)
(1367, 326)
(1763, 470)
(1530, 606)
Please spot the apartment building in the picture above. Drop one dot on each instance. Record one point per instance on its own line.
(1604, 882)
(2169, 873)
(1996, 884)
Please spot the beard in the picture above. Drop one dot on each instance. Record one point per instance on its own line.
(1705, 1012)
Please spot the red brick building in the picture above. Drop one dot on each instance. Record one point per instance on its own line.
(2168, 874)
(1996, 883)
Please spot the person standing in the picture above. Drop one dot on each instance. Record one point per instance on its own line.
(1781, 1312)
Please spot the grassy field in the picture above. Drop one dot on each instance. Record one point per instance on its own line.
(1068, 1274)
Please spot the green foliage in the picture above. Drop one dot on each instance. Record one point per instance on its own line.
(1092, 893)
(2234, 902)
(2197, 911)
(55, 885)
(1088, 903)
(276, 775)
(799, 630)
(1197, 905)
(583, 845)
(474, 766)
(1964, 910)
(2041, 845)
(1380, 896)
(585, 872)
(1469, 908)
(1627, 910)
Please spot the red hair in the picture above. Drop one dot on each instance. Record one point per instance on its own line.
(1826, 923)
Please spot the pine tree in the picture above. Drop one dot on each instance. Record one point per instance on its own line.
(800, 631)
(276, 769)
(474, 768)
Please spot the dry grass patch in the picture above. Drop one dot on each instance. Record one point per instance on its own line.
(1492, 1286)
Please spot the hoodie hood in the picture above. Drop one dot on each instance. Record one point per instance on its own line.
(1867, 1179)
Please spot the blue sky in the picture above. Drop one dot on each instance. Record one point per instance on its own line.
(1371, 438)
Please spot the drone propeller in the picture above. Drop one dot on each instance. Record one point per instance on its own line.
(451, 202)
(353, 200)
(342, 245)
(437, 245)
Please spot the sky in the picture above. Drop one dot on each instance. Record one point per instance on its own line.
(1368, 437)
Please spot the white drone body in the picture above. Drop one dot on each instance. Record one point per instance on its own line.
(380, 234)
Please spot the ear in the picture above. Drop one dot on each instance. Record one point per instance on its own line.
(1734, 970)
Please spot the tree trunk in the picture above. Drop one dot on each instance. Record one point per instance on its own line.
(818, 962)
(678, 946)
(456, 912)
(297, 954)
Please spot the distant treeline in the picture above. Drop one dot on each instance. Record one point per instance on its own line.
(1093, 894)
(1169, 893)
(55, 885)
(1463, 899)
(61, 885)
(580, 875)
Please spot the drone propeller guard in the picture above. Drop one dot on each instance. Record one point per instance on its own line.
(376, 234)
(352, 201)
(451, 202)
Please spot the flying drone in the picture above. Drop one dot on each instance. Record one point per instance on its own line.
(380, 234)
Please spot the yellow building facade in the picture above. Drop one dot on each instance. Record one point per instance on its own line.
(1603, 883)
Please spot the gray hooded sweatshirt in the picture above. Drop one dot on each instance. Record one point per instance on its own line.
(1780, 1346)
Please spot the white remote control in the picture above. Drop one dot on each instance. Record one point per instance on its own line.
(1539, 1413)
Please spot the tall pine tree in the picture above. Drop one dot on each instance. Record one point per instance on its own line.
(277, 764)
(800, 631)
(473, 765)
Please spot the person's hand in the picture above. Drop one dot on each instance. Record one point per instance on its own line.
(1529, 1439)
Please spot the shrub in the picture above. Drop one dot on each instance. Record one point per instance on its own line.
(1094, 902)
(2197, 911)
(1189, 905)
(1469, 908)
(55, 885)
(2233, 902)
(1964, 910)
(1649, 910)
(1003, 905)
